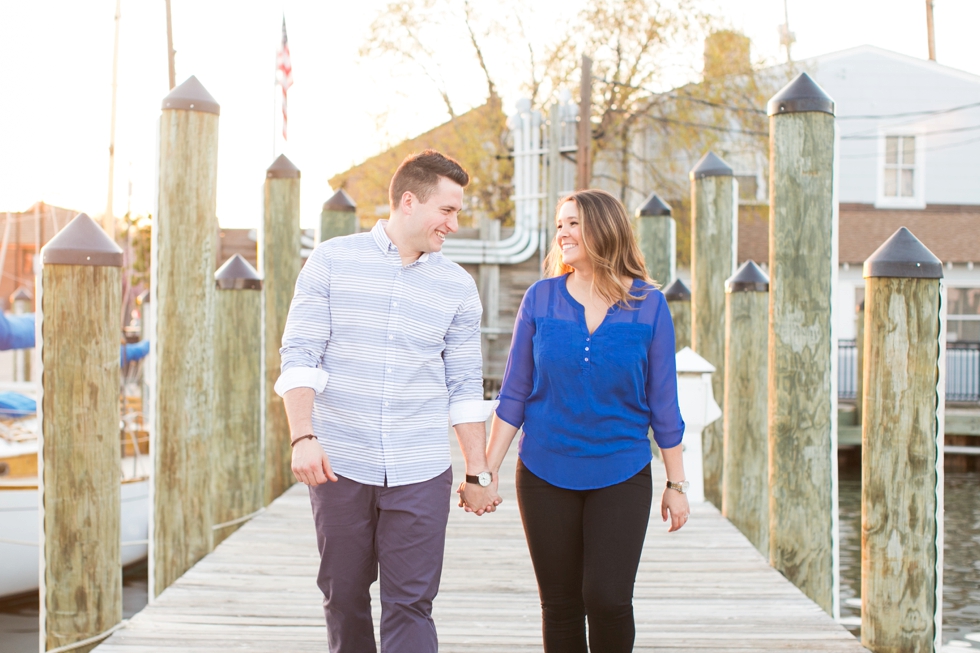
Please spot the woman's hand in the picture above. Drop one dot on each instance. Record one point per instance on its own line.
(675, 503)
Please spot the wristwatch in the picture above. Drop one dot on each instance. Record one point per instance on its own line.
(483, 478)
(680, 487)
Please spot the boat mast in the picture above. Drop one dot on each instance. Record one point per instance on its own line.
(108, 221)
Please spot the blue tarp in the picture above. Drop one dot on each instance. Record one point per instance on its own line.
(16, 331)
(14, 404)
(133, 352)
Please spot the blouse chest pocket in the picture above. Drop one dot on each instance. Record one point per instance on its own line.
(559, 346)
(622, 347)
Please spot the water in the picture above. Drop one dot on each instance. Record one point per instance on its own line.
(961, 564)
(19, 615)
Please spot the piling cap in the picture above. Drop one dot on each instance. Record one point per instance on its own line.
(801, 94)
(677, 292)
(237, 274)
(653, 205)
(748, 278)
(340, 201)
(191, 96)
(905, 257)
(21, 295)
(282, 168)
(711, 165)
(689, 362)
(82, 242)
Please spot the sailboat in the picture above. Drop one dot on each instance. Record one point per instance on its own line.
(19, 482)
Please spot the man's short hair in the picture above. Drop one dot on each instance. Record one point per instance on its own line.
(419, 174)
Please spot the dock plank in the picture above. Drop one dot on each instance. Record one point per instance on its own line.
(704, 588)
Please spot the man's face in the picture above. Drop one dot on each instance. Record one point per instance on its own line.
(431, 221)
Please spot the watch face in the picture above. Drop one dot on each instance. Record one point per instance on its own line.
(684, 486)
(485, 478)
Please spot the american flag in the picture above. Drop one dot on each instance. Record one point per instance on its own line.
(284, 73)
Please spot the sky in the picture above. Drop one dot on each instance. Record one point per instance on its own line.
(56, 84)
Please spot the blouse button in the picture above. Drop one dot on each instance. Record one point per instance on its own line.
(586, 360)
(586, 349)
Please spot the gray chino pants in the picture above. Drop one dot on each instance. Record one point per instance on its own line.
(399, 530)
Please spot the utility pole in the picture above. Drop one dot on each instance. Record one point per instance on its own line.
(931, 26)
(170, 48)
(786, 37)
(108, 221)
(584, 156)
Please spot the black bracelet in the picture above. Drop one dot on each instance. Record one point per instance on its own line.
(302, 437)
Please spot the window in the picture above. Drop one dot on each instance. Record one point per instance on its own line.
(963, 314)
(748, 189)
(900, 166)
(900, 179)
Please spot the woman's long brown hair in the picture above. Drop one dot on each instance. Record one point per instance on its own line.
(609, 243)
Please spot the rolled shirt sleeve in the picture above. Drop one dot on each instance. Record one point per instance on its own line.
(307, 329)
(665, 413)
(463, 361)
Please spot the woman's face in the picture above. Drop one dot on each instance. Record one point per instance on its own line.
(569, 237)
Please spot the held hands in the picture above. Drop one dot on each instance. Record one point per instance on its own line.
(478, 499)
(676, 504)
(310, 463)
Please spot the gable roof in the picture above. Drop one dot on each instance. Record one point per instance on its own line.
(925, 64)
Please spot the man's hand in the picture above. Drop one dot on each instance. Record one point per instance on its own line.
(676, 504)
(478, 499)
(311, 465)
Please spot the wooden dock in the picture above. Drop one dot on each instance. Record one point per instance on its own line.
(704, 588)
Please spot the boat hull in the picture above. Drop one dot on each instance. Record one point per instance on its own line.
(20, 555)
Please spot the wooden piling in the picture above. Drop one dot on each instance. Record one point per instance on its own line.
(902, 449)
(802, 347)
(679, 303)
(745, 483)
(279, 262)
(81, 588)
(859, 363)
(338, 217)
(238, 479)
(656, 234)
(22, 302)
(714, 239)
(183, 253)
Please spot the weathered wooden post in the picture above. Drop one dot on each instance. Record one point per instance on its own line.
(745, 486)
(902, 449)
(237, 481)
(279, 263)
(22, 302)
(859, 363)
(338, 217)
(81, 282)
(679, 303)
(182, 278)
(714, 239)
(656, 233)
(802, 348)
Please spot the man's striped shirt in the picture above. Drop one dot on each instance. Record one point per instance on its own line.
(390, 350)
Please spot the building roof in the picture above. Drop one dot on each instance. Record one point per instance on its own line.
(950, 231)
(41, 221)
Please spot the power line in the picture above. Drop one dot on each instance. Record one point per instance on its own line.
(872, 137)
(928, 148)
(732, 107)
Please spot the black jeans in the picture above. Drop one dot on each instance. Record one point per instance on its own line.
(585, 547)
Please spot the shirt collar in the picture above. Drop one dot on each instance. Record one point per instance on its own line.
(384, 243)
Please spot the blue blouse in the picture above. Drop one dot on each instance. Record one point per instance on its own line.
(587, 401)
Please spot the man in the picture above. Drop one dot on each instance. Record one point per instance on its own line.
(381, 342)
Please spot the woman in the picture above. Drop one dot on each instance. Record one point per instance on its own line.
(590, 371)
